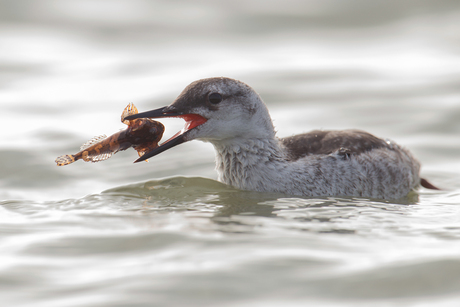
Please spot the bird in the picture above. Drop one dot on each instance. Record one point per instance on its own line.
(232, 116)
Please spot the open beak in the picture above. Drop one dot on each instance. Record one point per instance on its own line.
(191, 121)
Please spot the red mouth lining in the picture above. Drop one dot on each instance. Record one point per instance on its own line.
(191, 121)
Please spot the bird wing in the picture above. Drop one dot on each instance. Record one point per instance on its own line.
(349, 142)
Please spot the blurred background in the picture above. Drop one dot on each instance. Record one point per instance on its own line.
(68, 68)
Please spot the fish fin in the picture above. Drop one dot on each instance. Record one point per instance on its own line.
(96, 157)
(141, 153)
(129, 110)
(64, 160)
(93, 141)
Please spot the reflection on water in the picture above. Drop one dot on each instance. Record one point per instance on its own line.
(191, 233)
(121, 234)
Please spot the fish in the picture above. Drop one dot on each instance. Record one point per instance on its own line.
(142, 134)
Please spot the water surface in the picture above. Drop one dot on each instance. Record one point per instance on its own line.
(166, 233)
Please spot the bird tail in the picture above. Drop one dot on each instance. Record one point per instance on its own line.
(427, 185)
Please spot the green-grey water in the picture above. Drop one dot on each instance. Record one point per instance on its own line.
(166, 233)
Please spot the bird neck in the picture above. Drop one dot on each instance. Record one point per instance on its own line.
(249, 163)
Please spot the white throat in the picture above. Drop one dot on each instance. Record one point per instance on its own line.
(249, 164)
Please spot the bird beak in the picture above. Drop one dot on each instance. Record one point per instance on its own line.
(191, 121)
(158, 113)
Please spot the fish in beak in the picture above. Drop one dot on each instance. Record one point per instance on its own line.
(191, 121)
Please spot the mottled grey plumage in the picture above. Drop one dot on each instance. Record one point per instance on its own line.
(386, 172)
(320, 163)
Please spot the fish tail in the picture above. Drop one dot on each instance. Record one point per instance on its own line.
(65, 159)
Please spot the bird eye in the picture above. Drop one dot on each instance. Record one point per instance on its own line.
(215, 98)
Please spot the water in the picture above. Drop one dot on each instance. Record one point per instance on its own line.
(165, 233)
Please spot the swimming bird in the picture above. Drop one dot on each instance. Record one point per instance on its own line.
(232, 116)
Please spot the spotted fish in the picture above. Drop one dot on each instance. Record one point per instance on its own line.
(142, 134)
